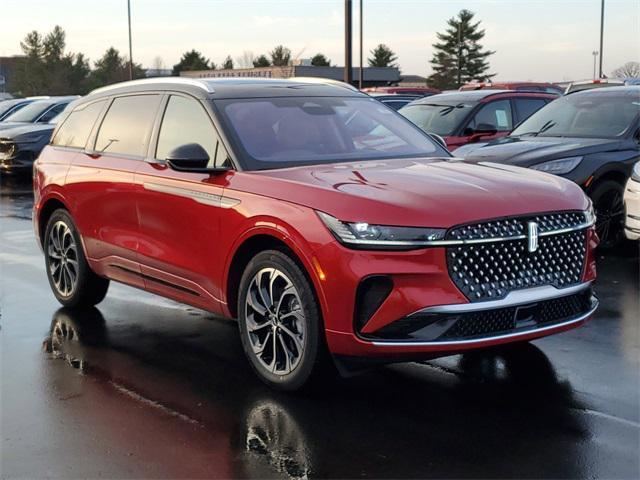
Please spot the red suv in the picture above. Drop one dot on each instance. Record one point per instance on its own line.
(329, 226)
(465, 117)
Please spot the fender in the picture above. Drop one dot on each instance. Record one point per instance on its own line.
(274, 227)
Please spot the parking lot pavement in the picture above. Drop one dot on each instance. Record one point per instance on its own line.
(144, 387)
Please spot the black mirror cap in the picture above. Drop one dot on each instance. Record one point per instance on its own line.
(188, 157)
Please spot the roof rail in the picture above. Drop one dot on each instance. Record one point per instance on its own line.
(321, 80)
(144, 81)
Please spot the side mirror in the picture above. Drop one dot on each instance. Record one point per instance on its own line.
(191, 157)
(482, 130)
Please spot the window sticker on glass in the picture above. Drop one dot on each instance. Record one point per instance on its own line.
(501, 118)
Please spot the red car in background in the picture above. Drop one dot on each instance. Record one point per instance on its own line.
(465, 117)
(421, 91)
(329, 226)
(517, 86)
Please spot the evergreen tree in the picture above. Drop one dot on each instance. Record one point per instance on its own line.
(228, 63)
(383, 56)
(459, 58)
(192, 60)
(113, 68)
(319, 60)
(280, 56)
(261, 61)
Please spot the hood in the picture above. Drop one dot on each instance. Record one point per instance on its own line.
(8, 125)
(429, 192)
(25, 130)
(527, 151)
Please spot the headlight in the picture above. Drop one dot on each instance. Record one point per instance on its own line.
(558, 167)
(590, 214)
(380, 237)
(635, 173)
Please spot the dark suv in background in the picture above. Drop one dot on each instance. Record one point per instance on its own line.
(38, 111)
(591, 137)
(466, 117)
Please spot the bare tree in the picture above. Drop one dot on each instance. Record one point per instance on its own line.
(246, 59)
(628, 70)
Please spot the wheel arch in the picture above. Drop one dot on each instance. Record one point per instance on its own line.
(255, 242)
(45, 211)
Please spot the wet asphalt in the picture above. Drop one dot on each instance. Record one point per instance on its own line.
(142, 387)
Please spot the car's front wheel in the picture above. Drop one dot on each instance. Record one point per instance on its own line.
(608, 203)
(73, 283)
(280, 322)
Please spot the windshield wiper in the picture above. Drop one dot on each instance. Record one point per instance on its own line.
(549, 124)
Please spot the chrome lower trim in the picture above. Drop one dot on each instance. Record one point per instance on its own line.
(481, 340)
(197, 195)
(516, 297)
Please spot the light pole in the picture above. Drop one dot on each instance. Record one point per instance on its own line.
(130, 50)
(595, 56)
(601, 36)
(361, 73)
(348, 41)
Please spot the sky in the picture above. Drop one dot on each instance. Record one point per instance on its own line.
(538, 40)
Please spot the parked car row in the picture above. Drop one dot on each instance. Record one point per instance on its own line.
(26, 126)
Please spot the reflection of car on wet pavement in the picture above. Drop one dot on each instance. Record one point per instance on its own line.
(322, 236)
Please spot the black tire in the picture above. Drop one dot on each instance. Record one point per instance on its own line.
(299, 305)
(608, 203)
(77, 286)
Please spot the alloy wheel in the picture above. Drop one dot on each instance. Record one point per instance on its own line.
(62, 253)
(275, 321)
(609, 217)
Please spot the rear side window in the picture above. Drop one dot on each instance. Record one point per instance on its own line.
(75, 130)
(525, 107)
(53, 112)
(126, 126)
(186, 121)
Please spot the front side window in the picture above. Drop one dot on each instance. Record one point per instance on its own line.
(493, 116)
(186, 121)
(52, 113)
(126, 126)
(289, 131)
(75, 130)
(439, 118)
(598, 115)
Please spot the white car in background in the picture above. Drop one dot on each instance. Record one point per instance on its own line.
(632, 203)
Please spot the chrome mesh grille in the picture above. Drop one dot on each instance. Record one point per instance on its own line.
(489, 271)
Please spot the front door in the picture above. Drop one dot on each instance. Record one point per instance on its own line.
(180, 213)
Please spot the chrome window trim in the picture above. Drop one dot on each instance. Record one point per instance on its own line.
(482, 340)
(515, 297)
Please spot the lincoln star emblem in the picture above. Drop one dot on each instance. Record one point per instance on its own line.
(532, 230)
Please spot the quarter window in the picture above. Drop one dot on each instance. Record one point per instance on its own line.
(494, 115)
(126, 126)
(186, 121)
(75, 130)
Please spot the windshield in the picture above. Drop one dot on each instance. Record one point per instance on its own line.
(290, 131)
(29, 113)
(442, 119)
(583, 115)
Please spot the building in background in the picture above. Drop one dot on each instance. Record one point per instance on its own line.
(372, 76)
(7, 66)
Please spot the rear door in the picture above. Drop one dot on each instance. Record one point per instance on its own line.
(101, 184)
(181, 213)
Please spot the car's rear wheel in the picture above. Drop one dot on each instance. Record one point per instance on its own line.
(72, 281)
(279, 321)
(608, 203)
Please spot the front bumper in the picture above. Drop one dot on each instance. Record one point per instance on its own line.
(632, 203)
